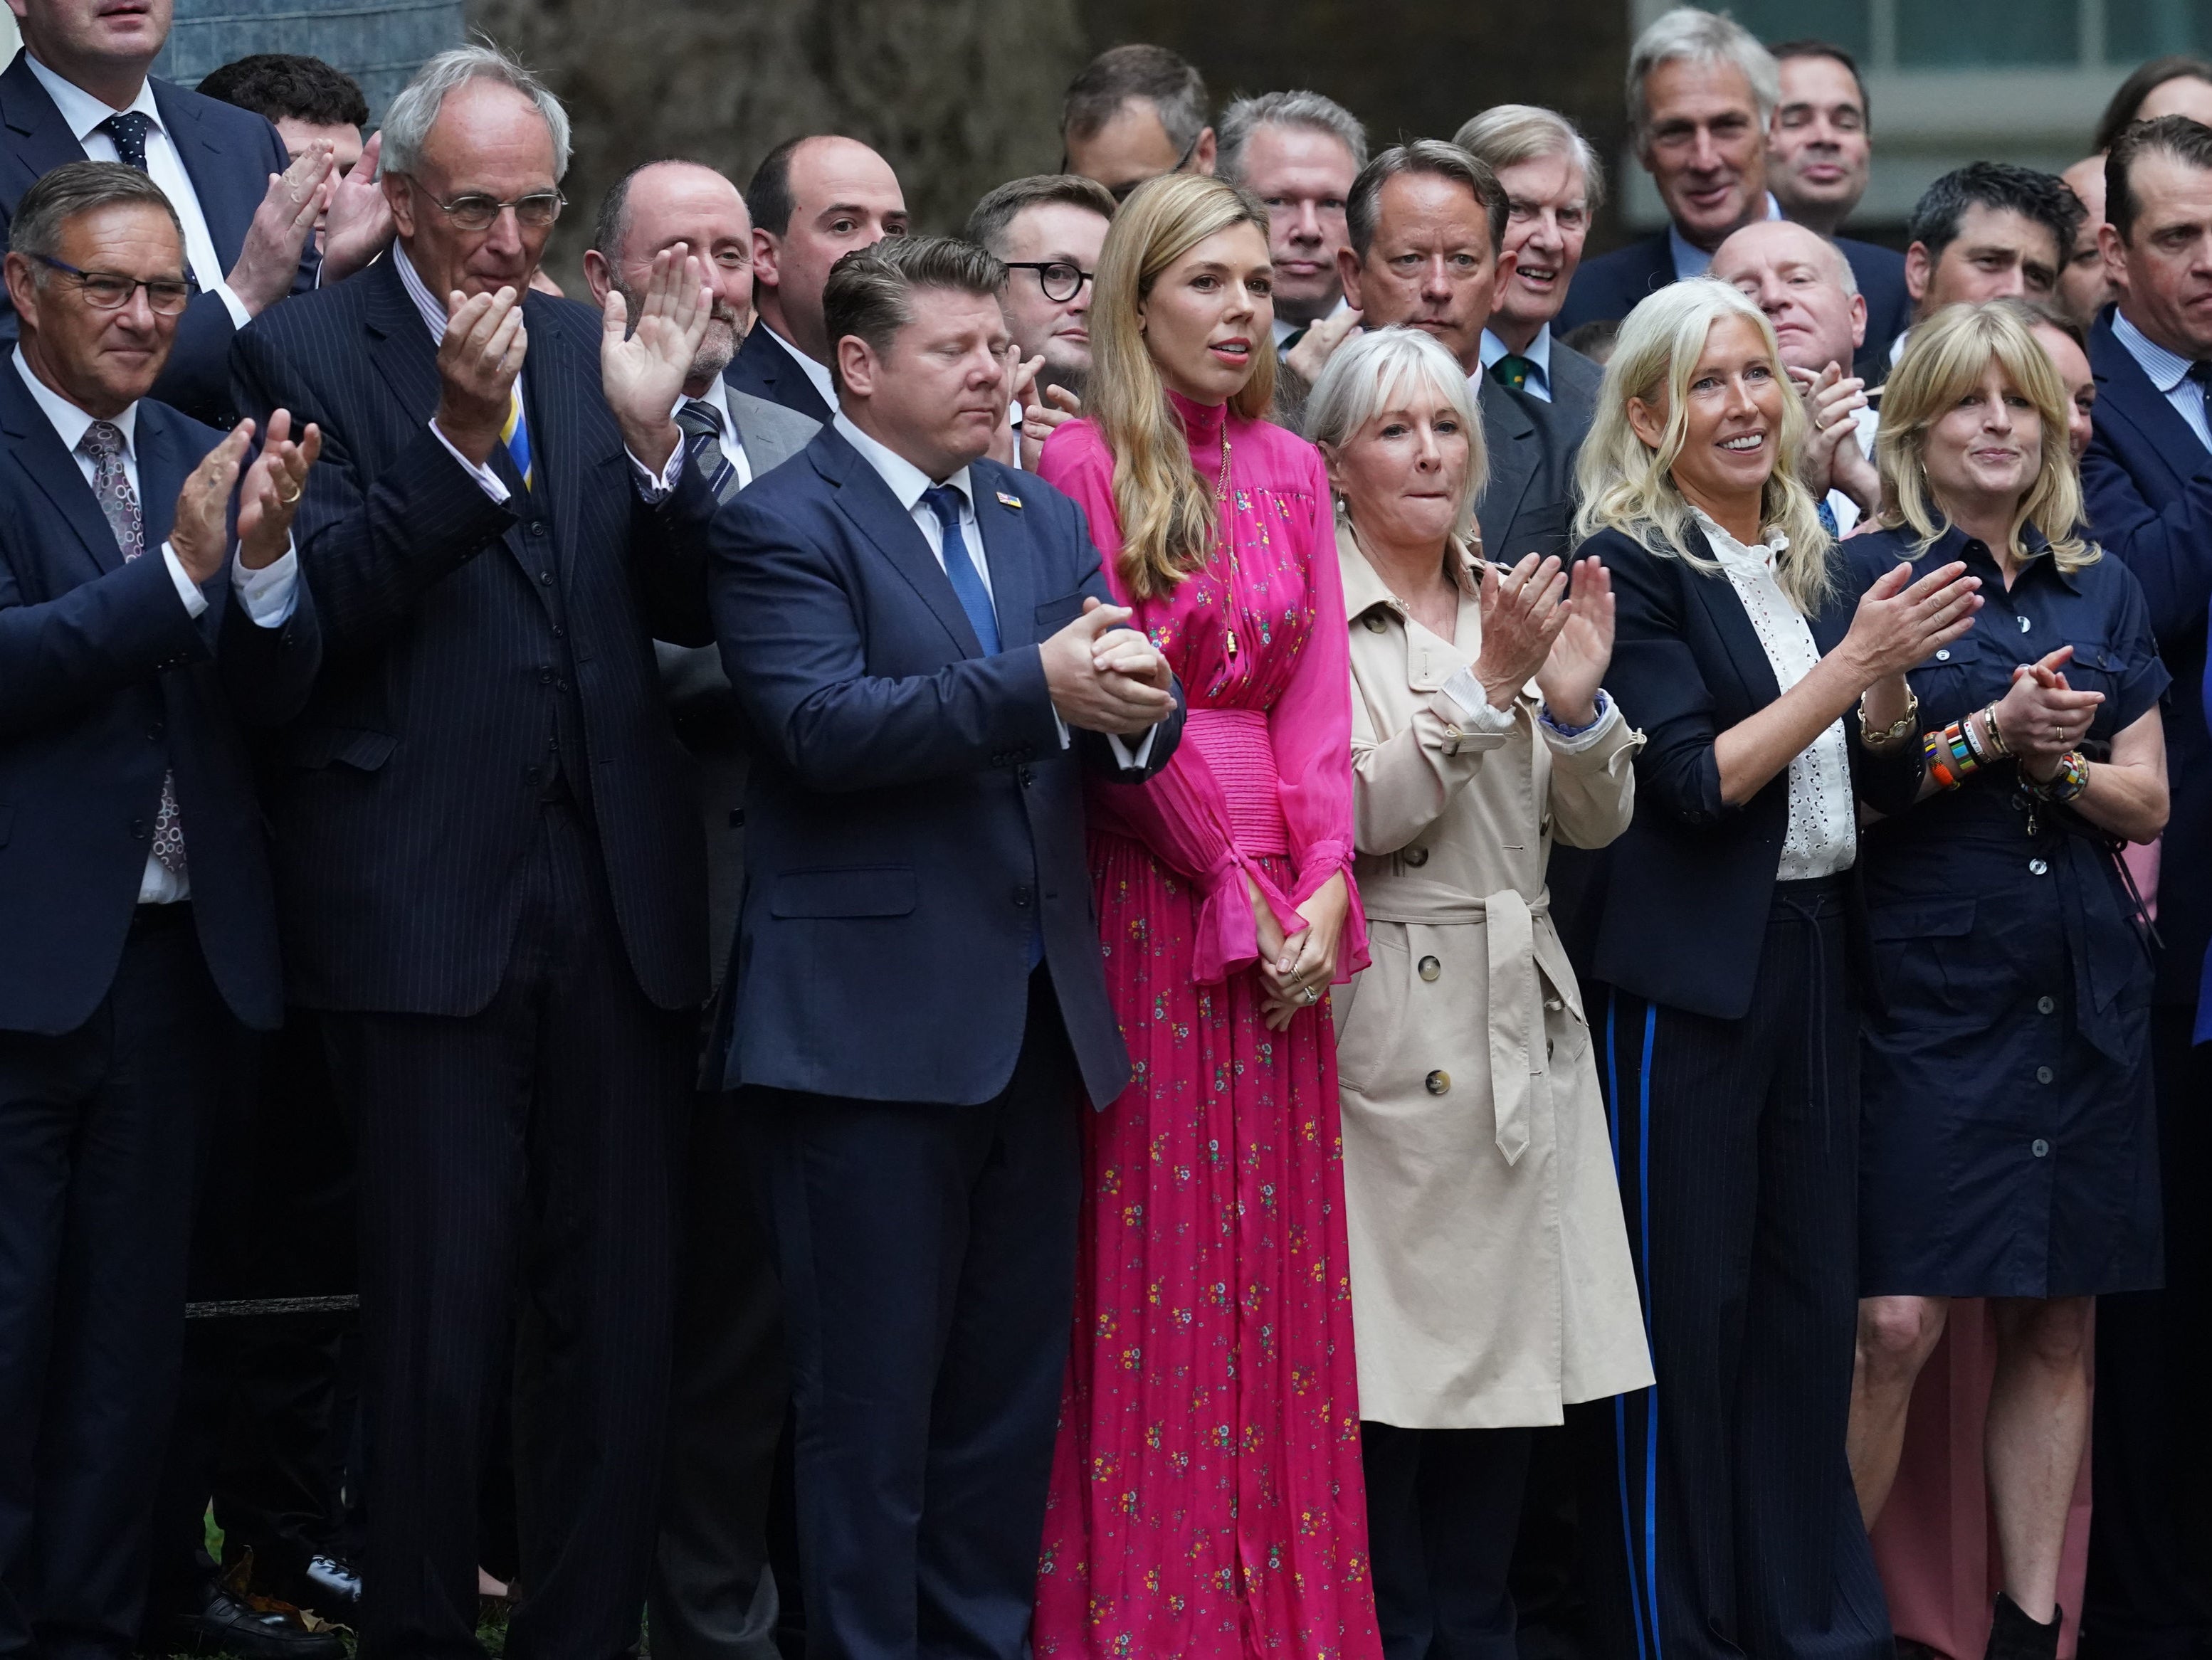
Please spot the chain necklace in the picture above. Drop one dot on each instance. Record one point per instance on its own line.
(1221, 527)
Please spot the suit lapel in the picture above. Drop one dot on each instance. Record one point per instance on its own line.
(162, 468)
(1515, 452)
(867, 501)
(210, 168)
(37, 448)
(402, 351)
(42, 140)
(548, 401)
(1012, 558)
(2125, 394)
(1733, 624)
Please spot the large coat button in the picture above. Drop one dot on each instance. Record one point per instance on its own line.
(1430, 968)
(1438, 1083)
(1416, 857)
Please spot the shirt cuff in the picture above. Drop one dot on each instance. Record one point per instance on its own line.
(271, 594)
(1465, 690)
(1573, 740)
(653, 486)
(187, 589)
(240, 316)
(1136, 759)
(489, 481)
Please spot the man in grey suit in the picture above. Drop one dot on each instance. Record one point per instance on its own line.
(713, 1596)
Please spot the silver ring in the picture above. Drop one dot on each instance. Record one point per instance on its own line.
(1312, 996)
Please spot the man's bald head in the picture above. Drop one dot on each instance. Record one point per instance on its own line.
(814, 200)
(1803, 283)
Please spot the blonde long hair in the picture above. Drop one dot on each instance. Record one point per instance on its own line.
(1627, 485)
(1167, 512)
(1945, 359)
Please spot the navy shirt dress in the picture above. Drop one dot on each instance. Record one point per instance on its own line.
(2010, 1146)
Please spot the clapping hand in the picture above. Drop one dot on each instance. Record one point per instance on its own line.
(1042, 419)
(1832, 459)
(1522, 613)
(642, 369)
(1582, 647)
(1899, 621)
(197, 530)
(2041, 718)
(268, 259)
(486, 343)
(271, 493)
(357, 225)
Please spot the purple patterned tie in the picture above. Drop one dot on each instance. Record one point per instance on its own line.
(103, 444)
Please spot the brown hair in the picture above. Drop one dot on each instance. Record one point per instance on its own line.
(869, 292)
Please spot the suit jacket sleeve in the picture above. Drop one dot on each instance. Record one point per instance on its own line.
(60, 655)
(268, 673)
(668, 555)
(2169, 549)
(1657, 680)
(369, 552)
(794, 649)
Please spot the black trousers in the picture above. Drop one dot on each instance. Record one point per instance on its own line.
(1443, 1507)
(927, 1257)
(517, 1169)
(2150, 1592)
(98, 1134)
(713, 1596)
(265, 1411)
(1718, 1516)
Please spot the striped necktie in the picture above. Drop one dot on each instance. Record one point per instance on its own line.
(701, 423)
(515, 434)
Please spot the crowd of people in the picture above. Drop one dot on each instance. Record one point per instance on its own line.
(1242, 917)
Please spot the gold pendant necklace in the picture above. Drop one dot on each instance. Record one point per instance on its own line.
(1221, 525)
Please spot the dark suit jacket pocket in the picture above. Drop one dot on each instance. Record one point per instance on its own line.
(352, 746)
(858, 890)
(1056, 614)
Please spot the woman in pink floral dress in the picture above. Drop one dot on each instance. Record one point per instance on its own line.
(1207, 1497)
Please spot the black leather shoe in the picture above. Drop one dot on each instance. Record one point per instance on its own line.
(227, 1626)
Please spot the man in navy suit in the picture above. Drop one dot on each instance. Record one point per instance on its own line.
(813, 199)
(919, 639)
(1702, 92)
(79, 88)
(138, 931)
(2147, 480)
(488, 861)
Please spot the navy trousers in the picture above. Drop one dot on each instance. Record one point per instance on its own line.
(99, 1129)
(1718, 1516)
(1444, 1507)
(927, 1256)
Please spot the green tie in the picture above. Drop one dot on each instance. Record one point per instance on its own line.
(1511, 370)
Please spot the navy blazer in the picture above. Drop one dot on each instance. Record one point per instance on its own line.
(229, 154)
(407, 795)
(2146, 485)
(1608, 287)
(911, 815)
(107, 683)
(764, 368)
(1682, 918)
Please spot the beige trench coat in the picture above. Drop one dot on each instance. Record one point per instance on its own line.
(1490, 1279)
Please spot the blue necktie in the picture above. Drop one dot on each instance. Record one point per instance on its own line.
(129, 130)
(1828, 518)
(967, 581)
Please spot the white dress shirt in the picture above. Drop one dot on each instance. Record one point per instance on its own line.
(1690, 260)
(83, 114)
(717, 398)
(907, 482)
(1822, 838)
(2169, 373)
(1538, 355)
(817, 372)
(268, 594)
(431, 309)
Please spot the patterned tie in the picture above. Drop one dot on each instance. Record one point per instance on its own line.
(967, 582)
(515, 434)
(1828, 519)
(702, 437)
(129, 130)
(102, 443)
(1511, 370)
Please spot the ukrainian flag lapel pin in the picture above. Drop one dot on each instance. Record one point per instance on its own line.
(1008, 500)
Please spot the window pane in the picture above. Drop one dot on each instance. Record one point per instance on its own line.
(1980, 33)
(1842, 21)
(2137, 29)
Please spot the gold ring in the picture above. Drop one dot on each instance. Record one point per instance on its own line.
(283, 501)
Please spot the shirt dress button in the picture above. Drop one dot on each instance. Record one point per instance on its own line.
(2046, 1005)
(1430, 968)
(2038, 868)
(2043, 1074)
(2041, 1147)
(1438, 1083)
(2025, 625)
(1943, 655)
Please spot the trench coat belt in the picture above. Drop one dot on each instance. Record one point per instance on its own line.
(1518, 1055)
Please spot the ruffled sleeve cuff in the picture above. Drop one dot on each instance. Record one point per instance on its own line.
(1317, 864)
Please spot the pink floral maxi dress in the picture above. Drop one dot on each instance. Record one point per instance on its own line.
(1206, 1498)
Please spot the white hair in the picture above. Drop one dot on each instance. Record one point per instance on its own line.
(1690, 34)
(1372, 373)
(1506, 134)
(1309, 109)
(408, 122)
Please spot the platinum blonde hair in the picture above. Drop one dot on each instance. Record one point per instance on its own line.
(1945, 359)
(1626, 485)
(408, 122)
(1691, 34)
(1506, 134)
(1385, 369)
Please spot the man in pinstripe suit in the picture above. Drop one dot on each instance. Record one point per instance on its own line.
(490, 874)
